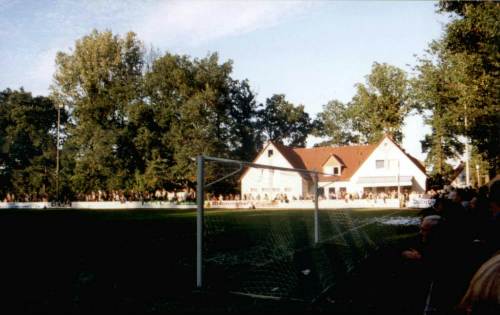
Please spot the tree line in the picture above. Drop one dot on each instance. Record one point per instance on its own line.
(455, 87)
(132, 119)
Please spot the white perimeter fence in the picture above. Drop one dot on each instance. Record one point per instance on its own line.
(227, 204)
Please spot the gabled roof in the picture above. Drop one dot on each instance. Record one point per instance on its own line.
(351, 157)
(288, 153)
(332, 156)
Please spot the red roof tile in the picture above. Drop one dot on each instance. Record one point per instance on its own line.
(292, 157)
(350, 156)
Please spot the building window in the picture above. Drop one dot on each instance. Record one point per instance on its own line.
(336, 171)
(331, 193)
(321, 192)
(269, 153)
(379, 164)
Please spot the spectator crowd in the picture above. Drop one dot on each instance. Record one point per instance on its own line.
(456, 260)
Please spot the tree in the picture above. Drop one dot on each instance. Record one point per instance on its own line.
(192, 106)
(190, 103)
(27, 144)
(433, 93)
(381, 105)
(334, 124)
(168, 85)
(471, 43)
(283, 122)
(245, 138)
(100, 81)
(155, 174)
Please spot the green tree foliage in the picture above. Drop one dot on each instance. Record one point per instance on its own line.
(245, 138)
(27, 144)
(381, 105)
(200, 124)
(433, 93)
(100, 81)
(284, 122)
(195, 107)
(168, 85)
(334, 124)
(138, 119)
(471, 44)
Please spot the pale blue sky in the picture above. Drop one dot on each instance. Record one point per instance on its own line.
(311, 51)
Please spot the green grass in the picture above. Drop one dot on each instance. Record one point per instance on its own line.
(142, 261)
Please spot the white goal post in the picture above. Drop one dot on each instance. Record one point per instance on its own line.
(200, 193)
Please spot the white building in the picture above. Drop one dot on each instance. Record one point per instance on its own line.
(375, 168)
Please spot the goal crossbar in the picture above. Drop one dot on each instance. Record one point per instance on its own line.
(256, 165)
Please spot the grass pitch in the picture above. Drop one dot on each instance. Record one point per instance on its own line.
(142, 261)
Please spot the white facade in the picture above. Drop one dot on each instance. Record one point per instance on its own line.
(396, 167)
(386, 168)
(266, 183)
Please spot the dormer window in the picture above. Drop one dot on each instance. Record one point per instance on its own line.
(332, 170)
(269, 153)
(333, 166)
(336, 171)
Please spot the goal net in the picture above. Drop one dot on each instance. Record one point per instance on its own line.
(271, 240)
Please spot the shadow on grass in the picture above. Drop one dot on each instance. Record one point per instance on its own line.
(142, 262)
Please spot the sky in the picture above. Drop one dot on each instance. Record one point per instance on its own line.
(311, 51)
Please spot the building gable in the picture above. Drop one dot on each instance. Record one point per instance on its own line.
(388, 150)
(268, 183)
(332, 166)
(275, 154)
(333, 161)
(272, 155)
(388, 159)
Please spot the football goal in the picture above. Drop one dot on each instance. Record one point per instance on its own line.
(262, 244)
(200, 200)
